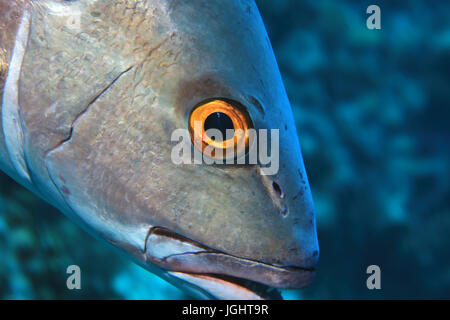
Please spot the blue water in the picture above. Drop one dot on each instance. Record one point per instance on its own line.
(372, 111)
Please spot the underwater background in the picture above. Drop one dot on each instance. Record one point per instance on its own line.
(372, 112)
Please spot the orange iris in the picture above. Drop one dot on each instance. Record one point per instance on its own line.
(220, 115)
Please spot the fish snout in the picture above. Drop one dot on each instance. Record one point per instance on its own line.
(304, 257)
(293, 197)
(221, 274)
(303, 250)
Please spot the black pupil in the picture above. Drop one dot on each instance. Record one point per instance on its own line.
(219, 121)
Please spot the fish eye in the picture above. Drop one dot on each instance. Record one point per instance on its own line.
(219, 121)
(219, 128)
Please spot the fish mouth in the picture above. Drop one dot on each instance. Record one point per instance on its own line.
(218, 274)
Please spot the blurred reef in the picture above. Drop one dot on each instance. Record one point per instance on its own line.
(372, 112)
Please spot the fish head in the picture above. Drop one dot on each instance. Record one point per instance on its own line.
(127, 76)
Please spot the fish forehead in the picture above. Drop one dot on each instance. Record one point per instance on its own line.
(106, 145)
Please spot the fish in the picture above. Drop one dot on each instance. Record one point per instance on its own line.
(91, 93)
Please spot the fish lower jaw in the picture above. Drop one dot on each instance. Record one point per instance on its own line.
(220, 275)
(228, 288)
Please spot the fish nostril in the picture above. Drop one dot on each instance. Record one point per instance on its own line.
(284, 211)
(278, 190)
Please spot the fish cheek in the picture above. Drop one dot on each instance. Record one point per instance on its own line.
(228, 210)
(103, 168)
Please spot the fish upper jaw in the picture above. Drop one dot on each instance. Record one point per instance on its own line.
(220, 274)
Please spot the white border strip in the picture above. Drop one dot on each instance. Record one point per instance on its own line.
(12, 129)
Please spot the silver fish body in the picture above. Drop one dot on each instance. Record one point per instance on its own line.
(91, 92)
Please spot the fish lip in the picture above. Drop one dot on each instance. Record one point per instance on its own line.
(198, 260)
(228, 288)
